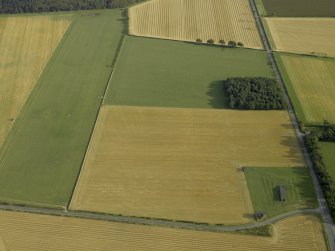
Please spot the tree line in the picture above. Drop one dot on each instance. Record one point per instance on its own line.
(312, 141)
(31, 6)
(253, 93)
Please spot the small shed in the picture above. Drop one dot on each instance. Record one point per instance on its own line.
(282, 192)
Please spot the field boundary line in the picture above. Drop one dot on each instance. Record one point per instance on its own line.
(324, 210)
(113, 65)
(195, 226)
(8, 143)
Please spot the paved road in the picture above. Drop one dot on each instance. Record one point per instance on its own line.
(153, 222)
(330, 230)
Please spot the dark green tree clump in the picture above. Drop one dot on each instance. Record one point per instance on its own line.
(327, 132)
(210, 41)
(232, 44)
(326, 181)
(31, 6)
(253, 93)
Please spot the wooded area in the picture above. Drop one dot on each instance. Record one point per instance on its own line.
(30, 6)
(327, 133)
(253, 93)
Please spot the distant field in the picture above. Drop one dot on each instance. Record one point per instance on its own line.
(177, 74)
(311, 85)
(303, 35)
(300, 8)
(328, 151)
(181, 164)
(188, 20)
(49, 233)
(262, 183)
(26, 44)
(42, 158)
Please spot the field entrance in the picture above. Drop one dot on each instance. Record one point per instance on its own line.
(181, 164)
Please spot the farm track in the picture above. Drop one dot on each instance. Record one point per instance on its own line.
(324, 210)
(154, 222)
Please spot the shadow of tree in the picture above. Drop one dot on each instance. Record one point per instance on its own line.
(216, 97)
(294, 153)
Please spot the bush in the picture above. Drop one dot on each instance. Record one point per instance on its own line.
(232, 44)
(210, 41)
(253, 94)
(221, 41)
(240, 44)
(198, 40)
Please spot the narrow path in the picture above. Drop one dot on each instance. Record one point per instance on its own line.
(154, 222)
(329, 224)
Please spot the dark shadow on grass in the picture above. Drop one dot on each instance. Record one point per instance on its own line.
(216, 97)
(294, 153)
(275, 193)
(305, 186)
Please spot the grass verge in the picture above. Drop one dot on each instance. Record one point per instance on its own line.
(41, 159)
(263, 187)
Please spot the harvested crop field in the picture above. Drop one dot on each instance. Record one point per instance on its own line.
(300, 8)
(303, 35)
(181, 164)
(189, 20)
(41, 160)
(49, 233)
(311, 85)
(26, 44)
(177, 74)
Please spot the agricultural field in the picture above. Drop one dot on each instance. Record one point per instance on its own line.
(311, 85)
(181, 164)
(188, 20)
(176, 74)
(328, 150)
(42, 157)
(303, 35)
(49, 233)
(26, 44)
(263, 185)
(299, 8)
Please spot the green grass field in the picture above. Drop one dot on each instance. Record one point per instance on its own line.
(299, 8)
(153, 72)
(43, 155)
(263, 182)
(328, 152)
(309, 82)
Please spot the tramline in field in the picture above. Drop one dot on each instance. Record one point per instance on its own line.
(26, 44)
(181, 164)
(311, 85)
(49, 233)
(189, 20)
(314, 36)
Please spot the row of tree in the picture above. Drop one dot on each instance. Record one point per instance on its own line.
(30, 6)
(253, 93)
(222, 42)
(312, 141)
